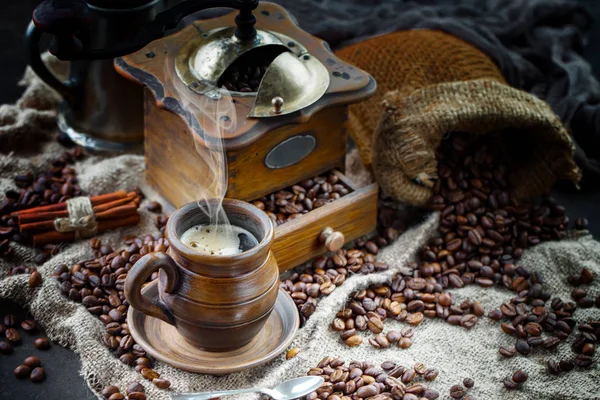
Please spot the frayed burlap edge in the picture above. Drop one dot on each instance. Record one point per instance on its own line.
(412, 127)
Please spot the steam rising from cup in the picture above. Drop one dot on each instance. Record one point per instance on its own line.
(217, 117)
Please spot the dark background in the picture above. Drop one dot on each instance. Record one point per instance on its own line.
(62, 366)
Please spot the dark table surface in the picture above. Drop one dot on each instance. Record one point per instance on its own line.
(62, 365)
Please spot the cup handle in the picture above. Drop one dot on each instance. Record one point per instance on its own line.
(137, 276)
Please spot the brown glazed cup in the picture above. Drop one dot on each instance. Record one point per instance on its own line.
(216, 302)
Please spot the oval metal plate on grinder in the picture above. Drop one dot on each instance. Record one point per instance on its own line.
(290, 151)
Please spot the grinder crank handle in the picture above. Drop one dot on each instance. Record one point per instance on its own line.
(63, 23)
(139, 274)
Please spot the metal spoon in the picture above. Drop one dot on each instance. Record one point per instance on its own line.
(288, 390)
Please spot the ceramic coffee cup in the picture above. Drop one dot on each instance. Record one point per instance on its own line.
(216, 302)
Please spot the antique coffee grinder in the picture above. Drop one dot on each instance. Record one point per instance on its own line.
(253, 90)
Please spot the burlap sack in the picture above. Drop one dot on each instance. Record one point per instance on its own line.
(431, 84)
(456, 352)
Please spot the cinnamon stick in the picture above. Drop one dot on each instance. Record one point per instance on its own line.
(52, 215)
(117, 212)
(96, 200)
(48, 224)
(54, 237)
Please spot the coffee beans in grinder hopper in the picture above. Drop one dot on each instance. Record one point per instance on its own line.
(246, 73)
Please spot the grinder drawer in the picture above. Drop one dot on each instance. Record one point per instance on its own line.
(353, 215)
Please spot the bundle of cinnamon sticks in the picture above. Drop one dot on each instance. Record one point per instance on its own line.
(112, 211)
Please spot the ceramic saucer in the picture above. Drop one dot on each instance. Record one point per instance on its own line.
(163, 342)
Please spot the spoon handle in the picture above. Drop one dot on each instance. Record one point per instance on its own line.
(212, 395)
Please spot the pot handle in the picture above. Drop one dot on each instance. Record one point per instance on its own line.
(60, 19)
(137, 276)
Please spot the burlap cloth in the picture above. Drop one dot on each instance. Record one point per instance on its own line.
(432, 83)
(455, 351)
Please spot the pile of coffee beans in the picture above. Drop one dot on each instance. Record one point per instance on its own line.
(292, 202)
(330, 271)
(483, 230)
(134, 391)
(55, 185)
(98, 284)
(529, 316)
(362, 380)
(32, 369)
(482, 225)
(517, 379)
(20, 269)
(406, 299)
(32, 366)
(459, 391)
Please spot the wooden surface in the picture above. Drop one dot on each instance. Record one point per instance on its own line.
(215, 302)
(153, 66)
(163, 342)
(353, 215)
(178, 170)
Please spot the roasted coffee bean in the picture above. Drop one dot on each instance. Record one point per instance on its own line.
(523, 347)
(136, 396)
(520, 376)
(5, 347)
(468, 382)
(109, 391)
(551, 342)
(161, 383)
(42, 343)
(135, 387)
(430, 374)
(28, 325)
(116, 396)
(388, 365)
(22, 371)
(408, 376)
(509, 384)
(468, 321)
(368, 391)
(12, 335)
(405, 343)
(583, 361)
(457, 392)
(507, 351)
(291, 353)
(415, 318)
(35, 279)
(154, 207)
(10, 320)
(586, 276)
(32, 362)
(354, 341)
(149, 373)
(37, 375)
(393, 336)
(566, 365)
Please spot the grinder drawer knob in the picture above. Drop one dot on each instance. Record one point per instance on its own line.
(333, 240)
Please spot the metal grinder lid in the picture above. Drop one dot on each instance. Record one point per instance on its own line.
(294, 79)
